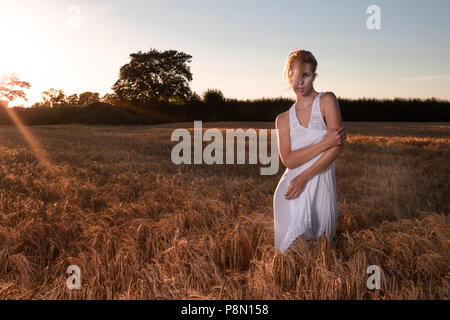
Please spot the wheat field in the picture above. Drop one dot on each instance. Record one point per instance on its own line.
(109, 200)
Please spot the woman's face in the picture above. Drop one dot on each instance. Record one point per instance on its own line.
(303, 85)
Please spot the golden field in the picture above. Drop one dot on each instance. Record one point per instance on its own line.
(109, 200)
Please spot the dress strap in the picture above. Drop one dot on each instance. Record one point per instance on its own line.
(292, 116)
(316, 104)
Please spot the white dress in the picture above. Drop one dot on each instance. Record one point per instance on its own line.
(314, 211)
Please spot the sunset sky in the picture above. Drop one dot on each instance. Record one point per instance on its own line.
(238, 47)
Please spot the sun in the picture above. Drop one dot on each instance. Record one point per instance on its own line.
(9, 55)
(12, 62)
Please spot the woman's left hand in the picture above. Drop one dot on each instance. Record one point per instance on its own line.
(296, 187)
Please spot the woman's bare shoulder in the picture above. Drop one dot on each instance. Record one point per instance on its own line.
(328, 97)
(282, 120)
(331, 110)
(328, 101)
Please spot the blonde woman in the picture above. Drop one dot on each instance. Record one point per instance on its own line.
(310, 138)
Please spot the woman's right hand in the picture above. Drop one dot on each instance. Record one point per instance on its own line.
(335, 137)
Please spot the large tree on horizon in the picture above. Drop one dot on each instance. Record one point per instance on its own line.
(53, 97)
(154, 76)
(88, 97)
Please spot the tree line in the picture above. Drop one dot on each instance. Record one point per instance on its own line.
(154, 86)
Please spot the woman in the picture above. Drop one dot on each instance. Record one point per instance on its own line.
(310, 138)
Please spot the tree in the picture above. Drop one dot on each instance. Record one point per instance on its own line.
(10, 86)
(154, 76)
(53, 97)
(110, 98)
(194, 98)
(72, 99)
(88, 97)
(213, 97)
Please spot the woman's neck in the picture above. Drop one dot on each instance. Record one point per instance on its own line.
(303, 101)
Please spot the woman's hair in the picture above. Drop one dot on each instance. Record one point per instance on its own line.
(301, 57)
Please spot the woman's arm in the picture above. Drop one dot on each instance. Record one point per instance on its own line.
(334, 120)
(293, 159)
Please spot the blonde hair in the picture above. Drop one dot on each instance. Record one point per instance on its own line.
(301, 57)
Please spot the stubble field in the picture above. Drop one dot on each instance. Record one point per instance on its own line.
(109, 200)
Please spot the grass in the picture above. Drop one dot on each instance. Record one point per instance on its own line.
(108, 199)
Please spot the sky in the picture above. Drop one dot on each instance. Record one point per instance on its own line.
(239, 47)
